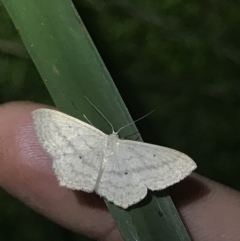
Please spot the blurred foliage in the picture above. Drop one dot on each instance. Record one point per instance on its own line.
(180, 58)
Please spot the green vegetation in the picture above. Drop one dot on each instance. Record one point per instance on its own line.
(179, 58)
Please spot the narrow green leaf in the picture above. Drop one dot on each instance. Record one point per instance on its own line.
(71, 67)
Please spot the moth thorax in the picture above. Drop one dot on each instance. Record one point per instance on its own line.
(111, 144)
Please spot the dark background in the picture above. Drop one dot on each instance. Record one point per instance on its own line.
(179, 58)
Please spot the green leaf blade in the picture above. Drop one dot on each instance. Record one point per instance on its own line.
(71, 67)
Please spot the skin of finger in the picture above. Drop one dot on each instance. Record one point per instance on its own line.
(26, 174)
(210, 211)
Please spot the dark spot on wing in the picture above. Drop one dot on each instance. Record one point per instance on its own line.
(126, 173)
(80, 157)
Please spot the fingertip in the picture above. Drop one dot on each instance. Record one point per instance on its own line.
(23, 162)
(209, 210)
(26, 173)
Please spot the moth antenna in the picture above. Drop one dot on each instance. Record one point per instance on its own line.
(100, 113)
(135, 121)
(88, 120)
